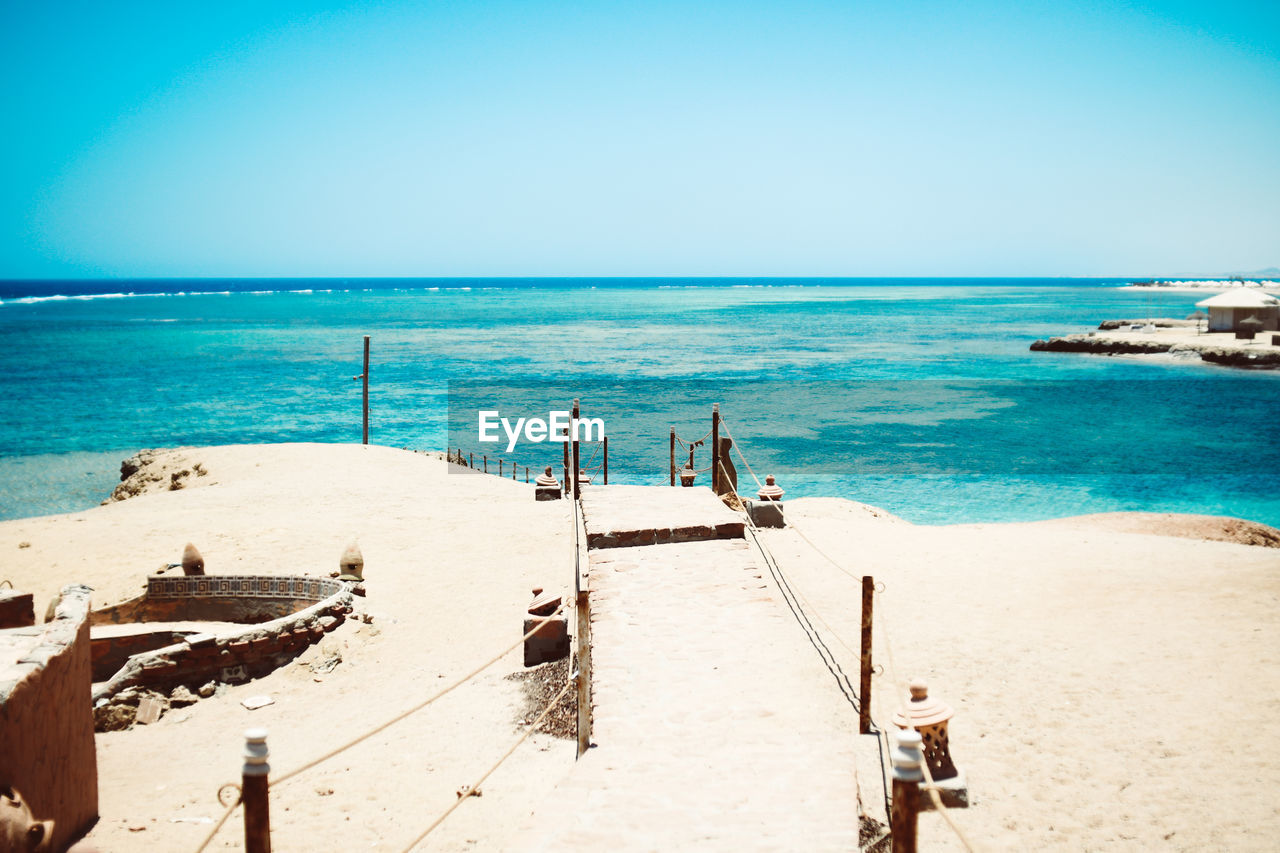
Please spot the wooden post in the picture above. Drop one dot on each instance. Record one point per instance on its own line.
(568, 492)
(606, 460)
(253, 792)
(673, 456)
(864, 685)
(485, 458)
(715, 448)
(514, 469)
(583, 608)
(499, 466)
(526, 473)
(577, 458)
(365, 383)
(906, 791)
(471, 460)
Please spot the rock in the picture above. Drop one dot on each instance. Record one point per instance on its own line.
(114, 717)
(1158, 322)
(150, 709)
(181, 697)
(207, 690)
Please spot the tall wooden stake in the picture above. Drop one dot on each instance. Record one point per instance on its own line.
(577, 459)
(253, 792)
(864, 684)
(673, 456)
(715, 448)
(606, 460)
(583, 608)
(568, 489)
(365, 383)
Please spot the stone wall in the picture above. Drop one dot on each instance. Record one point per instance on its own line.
(254, 651)
(220, 598)
(46, 719)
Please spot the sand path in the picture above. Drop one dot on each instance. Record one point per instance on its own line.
(716, 726)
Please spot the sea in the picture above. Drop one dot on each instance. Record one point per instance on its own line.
(919, 396)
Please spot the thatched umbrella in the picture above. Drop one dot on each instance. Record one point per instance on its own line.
(1199, 317)
(1248, 327)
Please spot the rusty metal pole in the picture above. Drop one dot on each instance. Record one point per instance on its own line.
(583, 607)
(673, 456)
(606, 460)
(365, 377)
(568, 490)
(906, 791)
(715, 448)
(577, 459)
(864, 684)
(253, 792)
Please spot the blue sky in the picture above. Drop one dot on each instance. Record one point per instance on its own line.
(650, 138)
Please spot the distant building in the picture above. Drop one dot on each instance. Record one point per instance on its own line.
(1227, 309)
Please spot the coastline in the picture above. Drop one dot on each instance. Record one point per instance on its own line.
(1203, 285)
(1180, 342)
(1037, 633)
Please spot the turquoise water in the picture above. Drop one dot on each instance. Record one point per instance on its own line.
(919, 396)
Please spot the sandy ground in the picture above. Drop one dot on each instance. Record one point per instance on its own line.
(449, 560)
(1113, 689)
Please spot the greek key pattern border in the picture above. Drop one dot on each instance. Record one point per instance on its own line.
(243, 586)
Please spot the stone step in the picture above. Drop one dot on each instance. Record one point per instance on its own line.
(625, 516)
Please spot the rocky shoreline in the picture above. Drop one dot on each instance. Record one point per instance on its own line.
(1212, 353)
(1175, 339)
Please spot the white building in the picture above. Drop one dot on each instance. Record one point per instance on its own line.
(1227, 309)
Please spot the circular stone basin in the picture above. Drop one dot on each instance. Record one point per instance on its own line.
(224, 627)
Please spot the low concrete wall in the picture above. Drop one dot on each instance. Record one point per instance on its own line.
(46, 719)
(219, 598)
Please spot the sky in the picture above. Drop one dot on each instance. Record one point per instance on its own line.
(638, 138)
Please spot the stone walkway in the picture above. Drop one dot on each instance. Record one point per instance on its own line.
(715, 724)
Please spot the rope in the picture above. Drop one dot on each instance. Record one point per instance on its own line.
(473, 790)
(845, 687)
(338, 750)
(929, 787)
(697, 443)
(824, 554)
(738, 447)
(899, 689)
(901, 692)
(816, 641)
(291, 774)
(217, 826)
